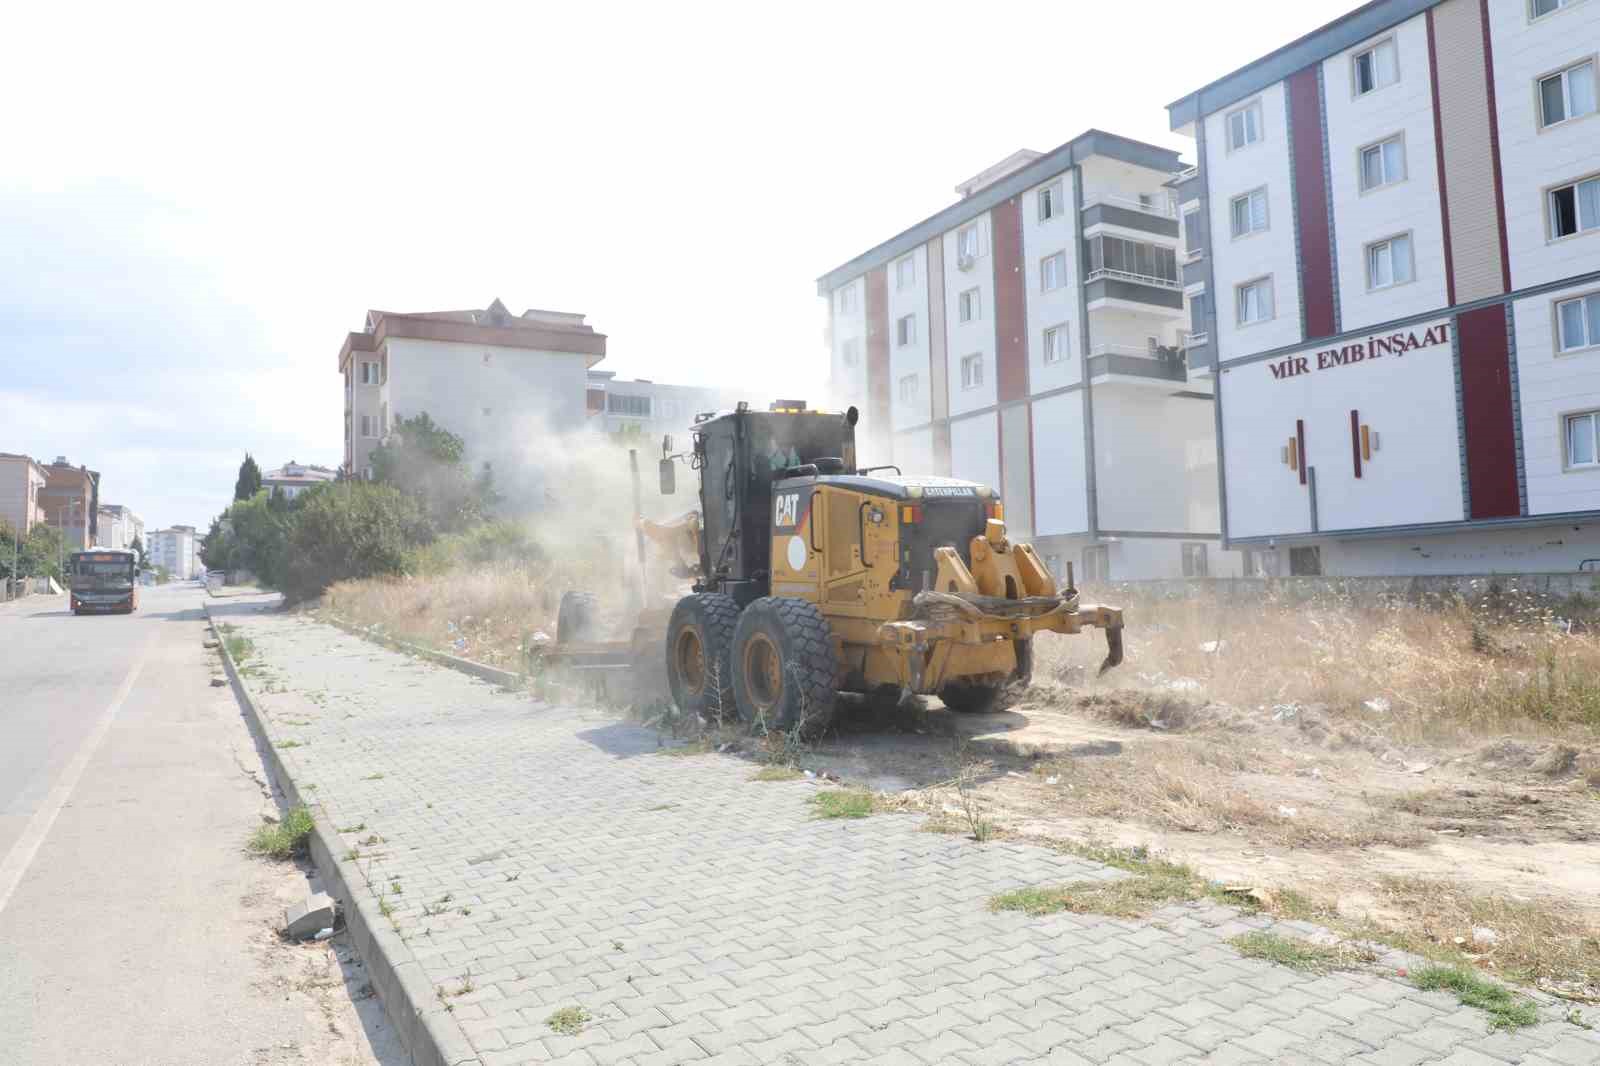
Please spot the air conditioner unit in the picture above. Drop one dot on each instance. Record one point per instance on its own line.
(965, 262)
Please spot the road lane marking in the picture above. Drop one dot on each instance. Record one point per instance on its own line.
(20, 857)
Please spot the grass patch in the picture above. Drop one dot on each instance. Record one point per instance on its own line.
(568, 1021)
(239, 648)
(843, 803)
(697, 747)
(1299, 954)
(286, 839)
(776, 773)
(287, 744)
(1154, 883)
(1506, 1010)
(378, 777)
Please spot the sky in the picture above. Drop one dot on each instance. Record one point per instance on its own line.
(198, 202)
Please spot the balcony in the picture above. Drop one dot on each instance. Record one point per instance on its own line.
(1135, 275)
(1154, 215)
(1187, 185)
(1131, 364)
(1198, 352)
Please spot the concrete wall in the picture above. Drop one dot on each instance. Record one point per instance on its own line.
(910, 360)
(1060, 306)
(971, 338)
(1360, 591)
(1551, 386)
(1155, 462)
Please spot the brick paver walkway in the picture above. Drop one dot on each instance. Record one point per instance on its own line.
(701, 917)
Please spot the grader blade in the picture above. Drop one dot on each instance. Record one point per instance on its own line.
(1113, 647)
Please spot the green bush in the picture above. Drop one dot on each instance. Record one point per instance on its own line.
(352, 529)
(498, 542)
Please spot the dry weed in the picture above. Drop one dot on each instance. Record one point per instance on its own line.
(1409, 671)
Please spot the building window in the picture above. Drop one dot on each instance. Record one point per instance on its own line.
(905, 273)
(1376, 67)
(971, 371)
(1254, 301)
(1248, 213)
(1305, 562)
(1383, 164)
(369, 427)
(1055, 343)
(967, 243)
(1541, 8)
(1194, 561)
(908, 388)
(905, 330)
(369, 373)
(1244, 126)
(631, 406)
(1567, 94)
(1389, 262)
(1191, 232)
(1583, 445)
(1096, 563)
(847, 299)
(1053, 272)
(1578, 323)
(850, 352)
(1050, 202)
(1260, 562)
(969, 306)
(1575, 208)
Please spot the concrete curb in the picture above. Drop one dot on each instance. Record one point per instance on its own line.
(431, 1034)
(494, 675)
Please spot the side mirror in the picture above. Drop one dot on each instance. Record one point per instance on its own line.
(669, 478)
(666, 444)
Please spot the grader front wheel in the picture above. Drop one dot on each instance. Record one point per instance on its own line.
(785, 671)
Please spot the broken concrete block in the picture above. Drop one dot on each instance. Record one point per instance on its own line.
(308, 918)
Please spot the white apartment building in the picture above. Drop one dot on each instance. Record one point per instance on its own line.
(1394, 265)
(292, 478)
(175, 549)
(504, 383)
(651, 409)
(119, 527)
(1032, 337)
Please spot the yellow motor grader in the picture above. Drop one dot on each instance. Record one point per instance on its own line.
(813, 577)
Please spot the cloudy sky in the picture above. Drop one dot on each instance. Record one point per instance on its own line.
(196, 203)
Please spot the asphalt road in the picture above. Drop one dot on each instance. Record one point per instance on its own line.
(133, 926)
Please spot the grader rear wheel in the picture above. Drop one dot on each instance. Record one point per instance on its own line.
(699, 636)
(785, 671)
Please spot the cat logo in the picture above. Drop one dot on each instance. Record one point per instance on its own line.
(788, 507)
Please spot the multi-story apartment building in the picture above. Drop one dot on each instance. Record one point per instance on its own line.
(502, 382)
(175, 549)
(650, 409)
(21, 482)
(1032, 337)
(293, 478)
(70, 500)
(1396, 260)
(119, 527)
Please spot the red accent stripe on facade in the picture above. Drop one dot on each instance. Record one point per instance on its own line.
(1300, 442)
(1494, 153)
(1486, 412)
(1355, 440)
(1010, 304)
(1311, 204)
(1438, 154)
(877, 307)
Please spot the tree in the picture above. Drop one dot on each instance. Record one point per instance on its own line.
(216, 547)
(137, 547)
(354, 530)
(249, 482)
(37, 555)
(423, 459)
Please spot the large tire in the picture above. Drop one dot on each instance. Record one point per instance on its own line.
(699, 639)
(575, 620)
(785, 671)
(973, 697)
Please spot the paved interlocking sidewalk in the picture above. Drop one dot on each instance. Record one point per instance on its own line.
(547, 857)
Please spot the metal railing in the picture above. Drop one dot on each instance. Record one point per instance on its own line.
(1143, 351)
(1195, 340)
(1142, 279)
(1161, 207)
(1189, 172)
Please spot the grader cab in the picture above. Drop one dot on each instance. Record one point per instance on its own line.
(814, 577)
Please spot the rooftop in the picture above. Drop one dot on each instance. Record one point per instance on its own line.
(535, 329)
(996, 185)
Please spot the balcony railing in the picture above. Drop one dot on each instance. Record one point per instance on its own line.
(1143, 351)
(1189, 172)
(1195, 340)
(1142, 279)
(1160, 207)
